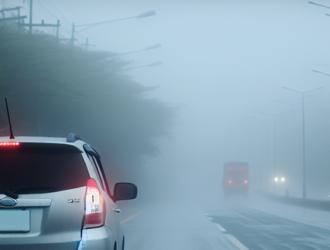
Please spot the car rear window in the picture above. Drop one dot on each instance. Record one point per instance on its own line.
(41, 168)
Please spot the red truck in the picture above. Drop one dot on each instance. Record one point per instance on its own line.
(235, 178)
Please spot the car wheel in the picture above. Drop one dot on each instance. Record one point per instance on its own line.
(123, 245)
(115, 246)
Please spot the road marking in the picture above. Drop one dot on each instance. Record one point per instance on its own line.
(220, 227)
(210, 218)
(236, 242)
(129, 218)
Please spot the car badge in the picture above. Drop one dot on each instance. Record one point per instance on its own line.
(73, 200)
(8, 201)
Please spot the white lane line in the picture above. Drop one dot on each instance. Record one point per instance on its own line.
(210, 218)
(129, 218)
(220, 227)
(236, 242)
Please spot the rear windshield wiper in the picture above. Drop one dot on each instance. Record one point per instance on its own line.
(11, 194)
(33, 189)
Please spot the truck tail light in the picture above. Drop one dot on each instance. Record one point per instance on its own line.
(230, 181)
(245, 181)
(94, 206)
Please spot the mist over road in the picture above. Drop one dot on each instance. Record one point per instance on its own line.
(254, 223)
(171, 225)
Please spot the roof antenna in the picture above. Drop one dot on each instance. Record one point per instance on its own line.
(11, 131)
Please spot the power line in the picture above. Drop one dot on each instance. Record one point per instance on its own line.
(8, 3)
(70, 23)
(61, 13)
(47, 10)
(34, 15)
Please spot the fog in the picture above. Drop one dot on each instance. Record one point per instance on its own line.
(224, 65)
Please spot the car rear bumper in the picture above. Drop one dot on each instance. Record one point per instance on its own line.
(96, 238)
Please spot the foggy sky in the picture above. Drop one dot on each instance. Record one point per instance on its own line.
(222, 60)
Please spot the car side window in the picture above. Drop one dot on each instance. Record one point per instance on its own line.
(96, 169)
(99, 171)
(102, 174)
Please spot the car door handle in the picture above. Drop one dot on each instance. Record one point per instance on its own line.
(117, 210)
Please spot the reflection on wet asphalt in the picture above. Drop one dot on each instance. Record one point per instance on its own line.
(173, 226)
(258, 230)
(256, 225)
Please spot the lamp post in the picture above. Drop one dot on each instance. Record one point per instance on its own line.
(90, 25)
(274, 116)
(155, 46)
(303, 134)
(320, 72)
(321, 5)
(143, 66)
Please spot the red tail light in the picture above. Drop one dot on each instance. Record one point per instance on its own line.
(94, 206)
(9, 143)
(230, 181)
(245, 181)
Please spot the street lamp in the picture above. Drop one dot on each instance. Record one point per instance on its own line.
(321, 5)
(303, 133)
(274, 116)
(143, 66)
(320, 72)
(90, 25)
(155, 46)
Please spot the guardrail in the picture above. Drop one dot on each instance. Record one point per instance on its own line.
(307, 203)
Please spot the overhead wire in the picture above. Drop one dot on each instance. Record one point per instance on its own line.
(61, 13)
(62, 27)
(47, 10)
(9, 3)
(6, 4)
(58, 18)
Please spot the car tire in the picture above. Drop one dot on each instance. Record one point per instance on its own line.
(123, 245)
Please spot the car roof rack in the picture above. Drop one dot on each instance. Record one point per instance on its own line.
(72, 137)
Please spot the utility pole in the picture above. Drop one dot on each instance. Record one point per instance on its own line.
(72, 36)
(57, 29)
(18, 18)
(303, 135)
(275, 119)
(43, 24)
(88, 44)
(30, 26)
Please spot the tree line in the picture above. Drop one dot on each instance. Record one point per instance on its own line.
(53, 89)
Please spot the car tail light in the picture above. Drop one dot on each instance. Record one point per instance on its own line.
(245, 181)
(230, 181)
(9, 143)
(94, 206)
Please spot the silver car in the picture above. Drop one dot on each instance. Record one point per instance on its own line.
(54, 195)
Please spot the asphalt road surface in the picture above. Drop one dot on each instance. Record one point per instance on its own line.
(254, 224)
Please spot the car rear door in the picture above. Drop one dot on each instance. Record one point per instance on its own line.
(50, 181)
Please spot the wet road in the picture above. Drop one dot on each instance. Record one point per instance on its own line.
(172, 226)
(255, 224)
(258, 230)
